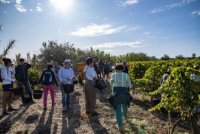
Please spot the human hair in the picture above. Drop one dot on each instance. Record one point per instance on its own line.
(6, 61)
(89, 61)
(49, 66)
(21, 60)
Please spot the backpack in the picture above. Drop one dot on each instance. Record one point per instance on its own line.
(1, 80)
(47, 77)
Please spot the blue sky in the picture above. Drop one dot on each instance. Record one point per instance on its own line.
(155, 27)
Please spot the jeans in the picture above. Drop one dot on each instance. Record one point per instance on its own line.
(65, 97)
(118, 113)
(47, 88)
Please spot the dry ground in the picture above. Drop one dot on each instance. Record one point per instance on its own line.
(32, 119)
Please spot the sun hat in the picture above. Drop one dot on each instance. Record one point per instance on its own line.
(67, 61)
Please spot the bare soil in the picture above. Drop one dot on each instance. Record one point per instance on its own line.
(31, 119)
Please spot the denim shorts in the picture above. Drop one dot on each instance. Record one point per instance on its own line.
(7, 87)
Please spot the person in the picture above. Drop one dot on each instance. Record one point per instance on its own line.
(120, 82)
(164, 77)
(106, 70)
(7, 85)
(89, 89)
(65, 75)
(101, 67)
(194, 76)
(96, 68)
(48, 79)
(22, 77)
(125, 67)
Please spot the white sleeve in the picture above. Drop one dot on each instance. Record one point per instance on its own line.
(4, 75)
(59, 75)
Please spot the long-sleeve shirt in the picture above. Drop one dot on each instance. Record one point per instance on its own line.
(120, 79)
(65, 75)
(6, 75)
(90, 73)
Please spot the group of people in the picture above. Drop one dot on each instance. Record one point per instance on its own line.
(19, 76)
(120, 83)
(64, 77)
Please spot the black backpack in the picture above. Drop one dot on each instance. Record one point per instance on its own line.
(47, 77)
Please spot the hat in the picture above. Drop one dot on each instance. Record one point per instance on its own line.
(196, 67)
(119, 67)
(67, 61)
(89, 60)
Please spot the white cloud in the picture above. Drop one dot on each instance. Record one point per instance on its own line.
(111, 45)
(130, 2)
(5, 1)
(18, 1)
(19, 6)
(39, 8)
(97, 30)
(173, 5)
(117, 48)
(196, 13)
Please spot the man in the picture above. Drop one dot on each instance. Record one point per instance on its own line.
(90, 93)
(65, 76)
(22, 77)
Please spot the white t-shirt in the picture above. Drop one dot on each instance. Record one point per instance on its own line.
(90, 72)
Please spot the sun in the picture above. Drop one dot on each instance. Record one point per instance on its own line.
(62, 5)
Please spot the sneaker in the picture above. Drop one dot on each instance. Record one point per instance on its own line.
(11, 109)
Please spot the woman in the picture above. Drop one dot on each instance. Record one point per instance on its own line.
(6, 75)
(65, 75)
(90, 93)
(48, 80)
(120, 83)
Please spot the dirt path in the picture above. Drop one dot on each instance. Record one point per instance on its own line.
(32, 119)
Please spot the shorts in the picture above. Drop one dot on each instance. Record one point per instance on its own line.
(7, 87)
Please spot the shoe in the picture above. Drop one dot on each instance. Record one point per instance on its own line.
(11, 109)
(88, 112)
(31, 102)
(5, 113)
(95, 114)
(70, 107)
(64, 109)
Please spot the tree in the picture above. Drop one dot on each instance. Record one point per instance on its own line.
(193, 55)
(8, 47)
(180, 57)
(165, 57)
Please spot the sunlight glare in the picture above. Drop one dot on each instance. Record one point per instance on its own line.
(62, 5)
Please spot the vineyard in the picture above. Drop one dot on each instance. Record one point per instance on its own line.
(178, 98)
